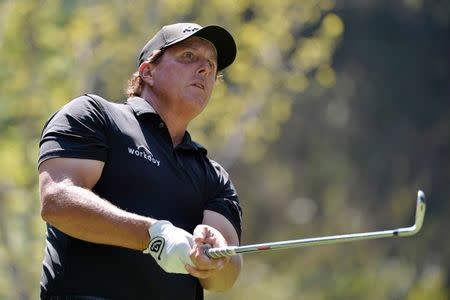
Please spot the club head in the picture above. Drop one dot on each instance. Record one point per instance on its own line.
(420, 211)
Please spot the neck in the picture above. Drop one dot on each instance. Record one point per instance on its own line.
(176, 122)
(176, 128)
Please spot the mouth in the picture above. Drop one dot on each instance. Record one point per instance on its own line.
(199, 85)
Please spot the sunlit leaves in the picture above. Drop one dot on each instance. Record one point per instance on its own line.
(275, 62)
(325, 76)
(332, 25)
(53, 51)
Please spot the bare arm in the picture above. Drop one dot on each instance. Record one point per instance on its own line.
(216, 274)
(68, 203)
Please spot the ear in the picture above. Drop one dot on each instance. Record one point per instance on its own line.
(147, 67)
(145, 72)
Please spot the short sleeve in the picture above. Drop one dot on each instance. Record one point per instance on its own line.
(224, 199)
(77, 130)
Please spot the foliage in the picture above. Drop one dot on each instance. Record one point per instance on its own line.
(316, 110)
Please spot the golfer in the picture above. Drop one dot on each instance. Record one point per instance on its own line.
(129, 199)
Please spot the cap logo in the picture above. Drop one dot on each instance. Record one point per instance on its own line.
(190, 28)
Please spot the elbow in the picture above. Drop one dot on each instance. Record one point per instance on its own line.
(215, 287)
(50, 204)
(46, 210)
(47, 206)
(218, 287)
(227, 278)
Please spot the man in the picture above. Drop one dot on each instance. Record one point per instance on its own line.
(129, 199)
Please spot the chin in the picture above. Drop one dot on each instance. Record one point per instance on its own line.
(193, 108)
(198, 102)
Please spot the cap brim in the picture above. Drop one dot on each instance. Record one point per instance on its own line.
(223, 41)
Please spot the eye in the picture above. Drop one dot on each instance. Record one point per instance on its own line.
(188, 55)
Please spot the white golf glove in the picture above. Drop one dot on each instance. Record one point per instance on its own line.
(170, 247)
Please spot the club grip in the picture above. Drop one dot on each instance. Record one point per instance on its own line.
(220, 252)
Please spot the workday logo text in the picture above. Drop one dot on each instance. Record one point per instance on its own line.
(144, 153)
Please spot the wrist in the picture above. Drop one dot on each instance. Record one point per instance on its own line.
(170, 246)
(153, 230)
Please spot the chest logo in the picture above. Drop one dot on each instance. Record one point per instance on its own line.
(143, 152)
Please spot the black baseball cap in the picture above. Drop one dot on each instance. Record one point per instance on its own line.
(175, 33)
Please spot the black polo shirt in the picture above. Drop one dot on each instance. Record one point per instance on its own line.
(143, 174)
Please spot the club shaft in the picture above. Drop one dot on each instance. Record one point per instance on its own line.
(332, 239)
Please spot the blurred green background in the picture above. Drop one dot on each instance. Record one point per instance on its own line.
(334, 114)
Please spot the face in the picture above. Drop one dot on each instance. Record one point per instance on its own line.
(184, 78)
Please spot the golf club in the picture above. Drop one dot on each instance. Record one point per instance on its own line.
(334, 239)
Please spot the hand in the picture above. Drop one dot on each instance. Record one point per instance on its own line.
(204, 267)
(170, 246)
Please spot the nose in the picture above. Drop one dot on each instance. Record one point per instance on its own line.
(204, 67)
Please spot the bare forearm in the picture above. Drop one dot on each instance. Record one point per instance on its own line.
(223, 234)
(225, 278)
(80, 213)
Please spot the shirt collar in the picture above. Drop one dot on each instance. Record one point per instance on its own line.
(189, 144)
(140, 106)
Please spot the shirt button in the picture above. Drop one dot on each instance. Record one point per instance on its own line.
(161, 125)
